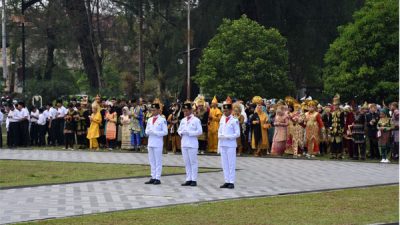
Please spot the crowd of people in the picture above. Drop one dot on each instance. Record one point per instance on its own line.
(298, 128)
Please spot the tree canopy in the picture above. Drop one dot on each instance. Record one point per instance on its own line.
(244, 59)
(362, 63)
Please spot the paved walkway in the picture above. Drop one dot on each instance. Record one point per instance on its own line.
(255, 177)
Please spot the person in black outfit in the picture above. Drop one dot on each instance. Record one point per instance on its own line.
(372, 121)
(358, 134)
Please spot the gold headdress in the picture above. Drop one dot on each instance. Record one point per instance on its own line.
(228, 100)
(296, 106)
(199, 100)
(365, 106)
(214, 101)
(236, 105)
(336, 99)
(290, 101)
(257, 100)
(312, 103)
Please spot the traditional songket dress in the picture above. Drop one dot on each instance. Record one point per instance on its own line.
(126, 132)
(111, 126)
(280, 135)
(313, 126)
(94, 130)
(214, 118)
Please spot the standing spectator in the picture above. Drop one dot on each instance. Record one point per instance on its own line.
(81, 125)
(61, 112)
(136, 125)
(372, 121)
(358, 133)
(52, 124)
(327, 120)
(23, 124)
(337, 129)
(384, 131)
(111, 126)
(280, 134)
(215, 115)
(13, 117)
(34, 132)
(125, 130)
(1, 125)
(94, 129)
(41, 125)
(174, 140)
(394, 107)
(314, 128)
(70, 127)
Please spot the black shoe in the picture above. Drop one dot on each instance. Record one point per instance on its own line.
(187, 183)
(193, 184)
(231, 186)
(151, 181)
(224, 185)
(157, 182)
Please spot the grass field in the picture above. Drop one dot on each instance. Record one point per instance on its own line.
(351, 206)
(25, 173)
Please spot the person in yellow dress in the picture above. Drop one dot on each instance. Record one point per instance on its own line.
(94, 129)
(213, 125)
(263, 146)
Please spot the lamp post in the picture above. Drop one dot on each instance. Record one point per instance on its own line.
(4, 40)
(23, 43)
(188, 50)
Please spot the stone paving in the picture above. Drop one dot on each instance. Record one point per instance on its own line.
(255, 177)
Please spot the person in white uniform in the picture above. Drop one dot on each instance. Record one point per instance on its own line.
(228, 131)
(189, 129)
(156, 129)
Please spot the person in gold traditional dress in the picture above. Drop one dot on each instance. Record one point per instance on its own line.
(202, 113)
(295, 129)
(280, 135)
(213, 125)
(314, 126)
(263, 145)
(237, 113)
(94, 129)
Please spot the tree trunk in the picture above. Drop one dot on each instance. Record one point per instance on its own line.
(77, 13)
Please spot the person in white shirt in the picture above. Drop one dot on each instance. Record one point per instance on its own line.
(41, 123)
(156, 129)
(59, 122)
(23, 124)
(228, 131)
(1, 132)
(13, 126)
(34, 132)
(189, 129)
(52, 124)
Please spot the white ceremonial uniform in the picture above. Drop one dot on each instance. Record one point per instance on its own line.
(52, 113)
(228, 131)
(156, 132)
(189, 129)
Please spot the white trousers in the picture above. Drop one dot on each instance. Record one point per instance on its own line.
(155, 159)
(191, 163)
(228, 160)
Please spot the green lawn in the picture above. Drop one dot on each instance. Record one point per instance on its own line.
(352, 206)
(22, 173)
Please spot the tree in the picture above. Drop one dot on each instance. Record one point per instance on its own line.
(362, 63)
(81, 19)
(245, 59)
